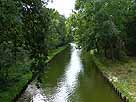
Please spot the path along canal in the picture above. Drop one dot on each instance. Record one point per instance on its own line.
(71, 78)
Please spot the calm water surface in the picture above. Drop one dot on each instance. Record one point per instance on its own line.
(71, 78)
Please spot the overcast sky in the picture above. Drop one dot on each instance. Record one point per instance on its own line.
(64, 7)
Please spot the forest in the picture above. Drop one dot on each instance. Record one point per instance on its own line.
(30, 32)
(106, 26)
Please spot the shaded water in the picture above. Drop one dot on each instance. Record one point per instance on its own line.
(72, 78)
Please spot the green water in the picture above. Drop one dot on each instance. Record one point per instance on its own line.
(72, 78)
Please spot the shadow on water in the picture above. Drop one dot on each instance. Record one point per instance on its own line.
(56, 68)
(72, 78)
(93, 87)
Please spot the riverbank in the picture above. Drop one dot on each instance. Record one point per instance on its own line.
(53, 53)
(19, 76)
(71, 77)
(122, 74)
(22, 75)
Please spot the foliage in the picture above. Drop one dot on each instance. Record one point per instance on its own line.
(57, 30)
(101, 25)
(27, 31)
(35, 20)
(10, 34)
(131, 30)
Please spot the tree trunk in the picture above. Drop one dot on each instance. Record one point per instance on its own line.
(97, 47)
(112, 51)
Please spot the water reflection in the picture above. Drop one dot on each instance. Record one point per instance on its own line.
(71, 79)
(69, 83)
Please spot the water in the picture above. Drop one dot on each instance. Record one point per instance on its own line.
(71, 78)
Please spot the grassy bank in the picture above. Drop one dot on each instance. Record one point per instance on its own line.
(53, 53)
(121, 73)
(19, 77)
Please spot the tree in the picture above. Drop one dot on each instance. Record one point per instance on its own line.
(131, 30)
(100, 25)
(10, 34)
(35, 19)
(57, 30)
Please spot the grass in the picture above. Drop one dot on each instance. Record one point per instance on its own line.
(121, 73)
(53, 53)
(20, 75)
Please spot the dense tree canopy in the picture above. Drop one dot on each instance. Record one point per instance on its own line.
(10, 33)
(57, 30)
(28, 30)
(101, 25)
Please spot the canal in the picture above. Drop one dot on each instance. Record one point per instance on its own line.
(71, 77)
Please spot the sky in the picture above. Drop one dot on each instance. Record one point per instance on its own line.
(64, 7)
